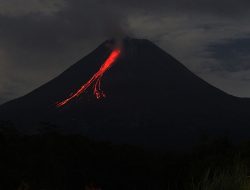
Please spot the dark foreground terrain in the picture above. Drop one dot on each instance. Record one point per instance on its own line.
(51, 161)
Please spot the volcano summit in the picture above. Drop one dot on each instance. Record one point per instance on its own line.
(152, 100)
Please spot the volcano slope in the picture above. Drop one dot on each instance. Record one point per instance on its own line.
(151, 100)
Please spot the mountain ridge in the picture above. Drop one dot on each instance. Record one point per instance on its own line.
(150, 95)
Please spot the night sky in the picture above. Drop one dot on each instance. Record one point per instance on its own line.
(41, 38)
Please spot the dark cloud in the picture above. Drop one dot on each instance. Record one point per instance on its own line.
(220, 8)
(79, 21)
(14, 8)
(233, 55)
(38, 37)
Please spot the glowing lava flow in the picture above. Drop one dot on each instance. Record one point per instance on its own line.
(95, 78)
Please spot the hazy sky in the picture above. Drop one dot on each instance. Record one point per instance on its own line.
(41, 38)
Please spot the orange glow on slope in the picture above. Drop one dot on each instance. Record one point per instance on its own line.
(96, 78)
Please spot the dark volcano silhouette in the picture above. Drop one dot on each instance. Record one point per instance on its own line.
(152, 100)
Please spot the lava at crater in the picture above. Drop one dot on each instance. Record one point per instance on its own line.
(95, 80)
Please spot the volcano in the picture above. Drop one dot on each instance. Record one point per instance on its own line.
(150, 99)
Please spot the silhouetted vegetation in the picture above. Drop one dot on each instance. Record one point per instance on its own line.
(50, 160)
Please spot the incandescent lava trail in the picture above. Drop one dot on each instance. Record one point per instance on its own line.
(95, 79)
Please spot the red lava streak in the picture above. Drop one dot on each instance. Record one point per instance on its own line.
(95, 79)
